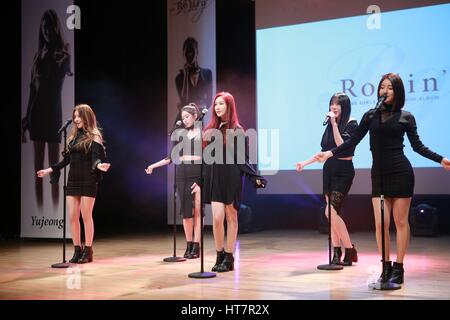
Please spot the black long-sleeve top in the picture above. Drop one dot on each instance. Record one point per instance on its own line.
(95, 155)
(328, 141)
(389, 136)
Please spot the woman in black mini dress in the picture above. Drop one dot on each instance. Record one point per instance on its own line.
(223, 176)
(392, 173)
(85, 154)
(338, 174)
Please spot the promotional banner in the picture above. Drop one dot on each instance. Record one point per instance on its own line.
(47, 101)
(191, 67)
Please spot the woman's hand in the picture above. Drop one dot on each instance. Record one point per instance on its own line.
(323, 156)
(259, 183)
(195, 188)
(332, 117)
(149, 169)
(300, 166)
(42, 173)
(103, 166)
(445, 163)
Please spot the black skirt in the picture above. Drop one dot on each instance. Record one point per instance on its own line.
(223, 183)
(338, 176)
(393, 177)
(186, 175)
(81, 180)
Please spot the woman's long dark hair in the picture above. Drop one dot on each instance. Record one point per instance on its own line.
(50, 21)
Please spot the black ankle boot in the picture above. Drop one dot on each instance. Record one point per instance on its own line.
(76, 255)
(195, 251)
(227, 263)
(387, 271)
(350, 256)
(397, 273)
(219, 259)
(188, 249)
(337, 255)
(87, 255)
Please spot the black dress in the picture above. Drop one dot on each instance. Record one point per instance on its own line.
(392, 173)
(338, 174)
(223, 181)
(187, 173)
(44, 113)
(83, 176)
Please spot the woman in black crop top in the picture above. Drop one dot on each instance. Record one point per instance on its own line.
(85, 154)
(223, 175)
(338, 174)
(187, 177)
(392, 174)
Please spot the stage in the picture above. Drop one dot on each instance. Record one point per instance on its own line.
(270, 265)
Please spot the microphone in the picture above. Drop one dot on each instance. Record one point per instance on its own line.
(327, 119)
(175, 126)
(64, 127)
(381, 101)
(203, 114)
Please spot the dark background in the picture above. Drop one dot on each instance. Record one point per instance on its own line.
(121, 63)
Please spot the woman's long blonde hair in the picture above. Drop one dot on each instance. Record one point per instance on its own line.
(89, 127)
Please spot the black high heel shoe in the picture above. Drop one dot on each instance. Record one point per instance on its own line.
(87, 255)
(350, 256)
(195, 251)
(227, 263)
(188, 249)
(387, 271)
(219, 259)
(397, 273)
(76, 255)
(337, 256)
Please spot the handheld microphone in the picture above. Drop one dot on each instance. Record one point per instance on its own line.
(175, 126)
(381, 101)
(327, 119)
(64, 127)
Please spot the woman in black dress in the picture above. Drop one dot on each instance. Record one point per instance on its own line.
(392, 173)
(85, 154)
(188, 178)
(338, 173)
(223, 175)
(51, 64)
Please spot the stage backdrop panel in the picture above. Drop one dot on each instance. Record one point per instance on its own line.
(47, 101)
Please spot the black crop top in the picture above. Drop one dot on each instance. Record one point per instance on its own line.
(186, 147)
(329, 143)
(391, 133)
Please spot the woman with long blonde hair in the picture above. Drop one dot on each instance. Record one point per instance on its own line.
(86, 154)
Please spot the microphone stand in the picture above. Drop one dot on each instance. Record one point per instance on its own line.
(174, 257)
(329, 266)
(64, 264)
(201, 274)
(383, 284)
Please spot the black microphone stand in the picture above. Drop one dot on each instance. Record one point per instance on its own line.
(201, 274)
(330, 265)
(64, 264)
(383, 284)
(174, 257)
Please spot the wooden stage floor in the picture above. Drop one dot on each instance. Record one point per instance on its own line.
(270, 265)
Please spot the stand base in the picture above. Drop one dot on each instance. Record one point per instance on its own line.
(174, 259)
(63, 265)
(201, 275)
(330, 266)
(384, 286)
